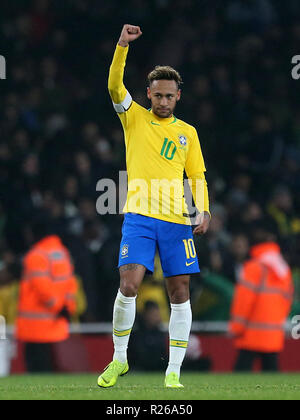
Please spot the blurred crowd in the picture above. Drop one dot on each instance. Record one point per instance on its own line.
(59, 134)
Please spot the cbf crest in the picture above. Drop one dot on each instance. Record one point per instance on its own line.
(124, 251)
(182, 141)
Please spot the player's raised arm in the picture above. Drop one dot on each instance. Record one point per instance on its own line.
(129, 33)
(118, 93)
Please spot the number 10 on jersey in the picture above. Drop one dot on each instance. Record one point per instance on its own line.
(189, 248)
(168, 149)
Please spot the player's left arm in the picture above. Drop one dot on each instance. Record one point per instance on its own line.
(195, 170)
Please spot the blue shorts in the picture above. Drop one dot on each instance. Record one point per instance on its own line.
(143, 235)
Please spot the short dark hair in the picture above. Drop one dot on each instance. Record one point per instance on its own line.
(164, 73)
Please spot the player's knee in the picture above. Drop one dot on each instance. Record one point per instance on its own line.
(179, 295)
(178, 290)
(128, 289)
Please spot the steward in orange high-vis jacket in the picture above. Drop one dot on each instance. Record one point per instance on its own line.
(47, 299)
(261, 305)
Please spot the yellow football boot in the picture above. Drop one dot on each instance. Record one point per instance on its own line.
(172, 381)
(111, 373)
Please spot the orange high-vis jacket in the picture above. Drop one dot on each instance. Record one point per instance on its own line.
(48, 285)
(262, 301)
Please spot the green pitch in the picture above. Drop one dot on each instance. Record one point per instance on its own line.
(140, 386)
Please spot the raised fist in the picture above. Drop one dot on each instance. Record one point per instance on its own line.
(129, 33)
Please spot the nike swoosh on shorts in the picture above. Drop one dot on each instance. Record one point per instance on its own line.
(188, 264)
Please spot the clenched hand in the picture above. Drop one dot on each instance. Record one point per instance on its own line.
(129, 33)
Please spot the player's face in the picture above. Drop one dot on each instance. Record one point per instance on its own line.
(163, 95)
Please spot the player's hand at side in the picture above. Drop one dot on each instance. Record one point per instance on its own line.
(202, 222)
(129, 33)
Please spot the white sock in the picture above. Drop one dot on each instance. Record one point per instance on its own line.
(179, 331)
(123, 320)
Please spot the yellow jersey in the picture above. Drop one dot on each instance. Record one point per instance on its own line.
(158, 151)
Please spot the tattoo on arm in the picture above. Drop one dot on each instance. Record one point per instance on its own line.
(129, 267)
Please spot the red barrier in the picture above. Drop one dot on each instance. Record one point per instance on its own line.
(91, 353)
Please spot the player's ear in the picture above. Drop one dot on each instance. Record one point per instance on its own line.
(148, 93)
(178, 94)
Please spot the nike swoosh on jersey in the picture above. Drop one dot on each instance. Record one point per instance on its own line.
(188, 264)
(154, 123)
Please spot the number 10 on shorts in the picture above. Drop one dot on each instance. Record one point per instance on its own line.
(189, 248)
